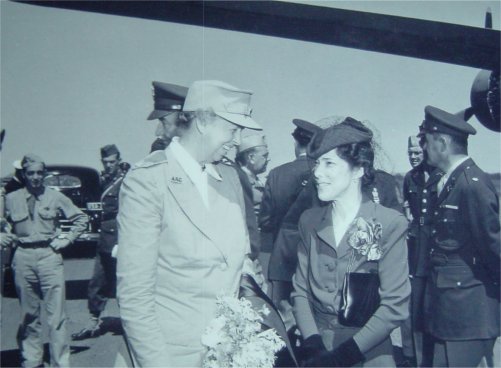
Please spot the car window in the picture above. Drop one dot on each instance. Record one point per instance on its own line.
(62, 181)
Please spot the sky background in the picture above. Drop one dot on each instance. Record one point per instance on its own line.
(73, 81)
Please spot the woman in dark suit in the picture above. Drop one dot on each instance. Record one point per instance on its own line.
(351, 234)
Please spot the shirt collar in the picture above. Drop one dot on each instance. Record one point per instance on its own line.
(250, 174)
(455, 165)
(189, 164)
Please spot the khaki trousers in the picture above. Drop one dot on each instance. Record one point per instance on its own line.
(39, 277)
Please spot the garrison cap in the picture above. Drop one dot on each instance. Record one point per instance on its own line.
(31, 158)
(228, 102)
(440, 121)
(167, 98)
(251, 141)
(347, 132)
(413, 142)
(304, 131)
(108, 150)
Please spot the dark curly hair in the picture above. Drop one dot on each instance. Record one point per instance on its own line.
(359, 154)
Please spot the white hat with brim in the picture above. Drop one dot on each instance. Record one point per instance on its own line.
(227, 101)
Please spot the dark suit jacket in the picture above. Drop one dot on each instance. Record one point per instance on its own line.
(283, 185)
(463, 294)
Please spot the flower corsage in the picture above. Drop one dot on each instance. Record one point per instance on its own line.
(364, 238)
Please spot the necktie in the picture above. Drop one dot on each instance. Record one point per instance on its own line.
(441, 183)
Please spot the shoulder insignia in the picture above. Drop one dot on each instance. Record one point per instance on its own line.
(153, 159)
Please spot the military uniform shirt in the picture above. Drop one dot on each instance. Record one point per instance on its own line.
(42, 225)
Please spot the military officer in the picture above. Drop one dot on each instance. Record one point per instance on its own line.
(283, 185)
(103, 282)
(463, 294)
(38, 264)
(419, 193)
(168, 101)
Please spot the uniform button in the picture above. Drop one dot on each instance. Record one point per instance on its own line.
(445, 220)
(436, 213)
(434, 231)
(424, 200)
(423, 210)
(223, 266)
(425, 191)
(458, 283)
(330, 309)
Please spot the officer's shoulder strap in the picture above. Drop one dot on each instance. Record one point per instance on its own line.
(153, 159)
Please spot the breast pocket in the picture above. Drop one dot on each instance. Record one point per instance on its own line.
(18, 214)
(47, 213)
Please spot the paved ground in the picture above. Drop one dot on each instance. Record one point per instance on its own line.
(98, 352)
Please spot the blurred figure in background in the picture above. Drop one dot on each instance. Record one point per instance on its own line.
(102, 285)
(168, 101)
(17, 180)
(282, 188)
(420, 195)
(253, 157)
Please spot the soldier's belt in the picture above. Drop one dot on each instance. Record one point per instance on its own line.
(34, 245)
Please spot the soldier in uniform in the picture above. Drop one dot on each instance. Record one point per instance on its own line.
(419, 192)
(102, 285)
(462, 293)
(38, 264)
(168, 101)
(282, 188)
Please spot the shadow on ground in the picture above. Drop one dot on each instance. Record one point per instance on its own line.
(12, 358)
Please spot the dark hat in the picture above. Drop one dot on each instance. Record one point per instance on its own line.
(304, 131)
(440, 121)
(31, 158)
(167, 98)
(108, 150)
(347, 132)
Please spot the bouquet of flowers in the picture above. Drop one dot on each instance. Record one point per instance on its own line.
(234, 338)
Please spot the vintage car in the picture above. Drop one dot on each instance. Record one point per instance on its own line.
(81, 185)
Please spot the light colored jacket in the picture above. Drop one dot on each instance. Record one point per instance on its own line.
(175, 257)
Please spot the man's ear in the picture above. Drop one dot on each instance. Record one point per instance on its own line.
(443, 142)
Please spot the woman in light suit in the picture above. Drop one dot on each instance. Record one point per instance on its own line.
(351, 234)
(182, 233)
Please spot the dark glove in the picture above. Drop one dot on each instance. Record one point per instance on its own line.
(310, 348)
(345, 355)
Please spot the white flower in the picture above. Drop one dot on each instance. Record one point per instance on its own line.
(234, 338)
